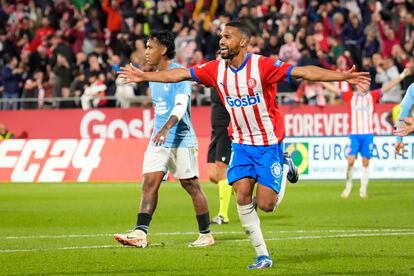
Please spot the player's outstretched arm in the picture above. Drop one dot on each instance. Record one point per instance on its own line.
(396, 81)
(314, 73)
(130, 74)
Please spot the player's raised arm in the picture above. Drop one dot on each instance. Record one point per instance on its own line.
(396, 81)
(130, 74)
(315, 73)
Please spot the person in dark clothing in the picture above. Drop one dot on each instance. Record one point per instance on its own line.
(30, 91)
(10, 76)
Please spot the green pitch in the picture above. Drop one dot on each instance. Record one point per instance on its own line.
(61, 229)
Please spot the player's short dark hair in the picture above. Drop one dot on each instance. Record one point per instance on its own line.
(165, 38)
(242, 27)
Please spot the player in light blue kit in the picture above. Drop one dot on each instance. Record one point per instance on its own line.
(405, 123)
(173, 146)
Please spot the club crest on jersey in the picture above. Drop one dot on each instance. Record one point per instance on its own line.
(276, 170)
(278, 63)
(251, 83)
(166, 86)
(243, 101)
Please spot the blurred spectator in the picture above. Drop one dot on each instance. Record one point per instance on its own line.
(77, 87)
(114, 16)
(336, 50)
(39, 60)
(353, 37)
(197, 59)
(94, 94)
(311, 93)
(410, 78)
(386, 72)
(63, 78)
(30, 92)
(41, 34)
(371, 44)
(388, 36)
(94, 66)
(60, 47)
(5, 133)
(321, 37)
(10, 77)
(272, 46)
(289, 51)
(124, 93)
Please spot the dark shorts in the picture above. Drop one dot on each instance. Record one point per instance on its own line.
(220, 146)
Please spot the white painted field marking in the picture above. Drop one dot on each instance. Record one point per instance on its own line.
(70, 236)
(355, 235)
(333, 236)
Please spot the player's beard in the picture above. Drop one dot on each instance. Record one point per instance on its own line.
(231, 53)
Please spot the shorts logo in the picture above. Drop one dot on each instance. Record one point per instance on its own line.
(251, 83)
(276, 170)
(300, 156)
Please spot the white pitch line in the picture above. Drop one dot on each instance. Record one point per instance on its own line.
(355, 235)
(61, 248)
(333, 236)
(215, 233)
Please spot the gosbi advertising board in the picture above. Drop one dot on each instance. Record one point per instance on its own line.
(303, 120)
(109, 144)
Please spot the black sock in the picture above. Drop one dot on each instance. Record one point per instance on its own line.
(203, 223)
(143, 221)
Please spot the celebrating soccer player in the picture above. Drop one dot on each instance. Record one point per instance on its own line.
(361, 106)
(246, 85)
(173, 146)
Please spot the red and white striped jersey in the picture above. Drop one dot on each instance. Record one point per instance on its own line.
(249, 95)
(360, 109)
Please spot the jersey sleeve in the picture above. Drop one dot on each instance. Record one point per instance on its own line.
(205, 73)
(274, 70)
(376, 95)
(183, 87)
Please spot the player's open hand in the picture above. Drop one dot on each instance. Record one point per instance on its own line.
(160, 137)
(405, 126)
(130, 74)
(361, 79)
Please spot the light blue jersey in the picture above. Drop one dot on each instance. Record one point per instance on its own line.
(181, 135)
(407, 104)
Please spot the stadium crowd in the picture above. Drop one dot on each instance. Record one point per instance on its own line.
(70, 50)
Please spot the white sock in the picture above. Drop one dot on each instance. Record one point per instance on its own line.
(364, 178)
(251, 224)
(281, 193)
(349, 173)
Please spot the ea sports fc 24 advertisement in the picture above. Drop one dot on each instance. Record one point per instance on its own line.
(109, 144)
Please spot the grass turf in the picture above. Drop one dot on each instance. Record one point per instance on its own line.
(60, 229)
